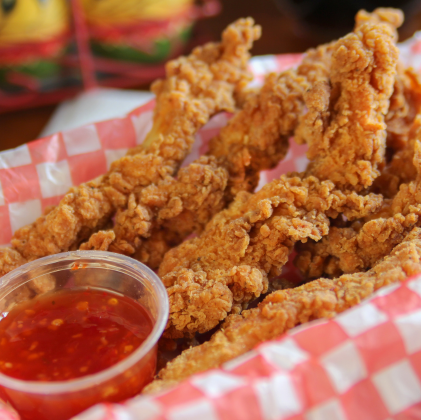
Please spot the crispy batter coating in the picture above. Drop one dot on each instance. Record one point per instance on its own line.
(285, 309)
(197, 192)
(360, 246)
(405, 105)
(389, 15)
(405, 101)
(153, 249)
(229, 263)
(196, 87)
(99, 241)
(400, 170)
(10, 259)
(81, 210)
(345, 127)
(316, 66)
(256, 138)
(188, 202)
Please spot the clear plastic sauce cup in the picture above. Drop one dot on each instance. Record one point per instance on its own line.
(37, 400)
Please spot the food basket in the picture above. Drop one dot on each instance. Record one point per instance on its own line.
(363, 364)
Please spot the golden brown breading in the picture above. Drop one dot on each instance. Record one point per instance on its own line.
(229, 263)
(358, 247)
(405, 102)
(345, 127)
(99, 241)
(391, 16)
(257, 137)
(188, 202)
(10, 259)
(405, 105)
(316, 66)
(196, 87)
(156, 246)
(284, 309)
(400, 170)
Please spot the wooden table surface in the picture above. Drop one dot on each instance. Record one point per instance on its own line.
(281, 34)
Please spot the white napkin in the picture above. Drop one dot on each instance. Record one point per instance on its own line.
(93, 106)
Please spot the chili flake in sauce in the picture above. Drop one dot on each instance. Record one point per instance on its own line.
(71, 333)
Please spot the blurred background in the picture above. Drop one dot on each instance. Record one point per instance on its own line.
(52, 50)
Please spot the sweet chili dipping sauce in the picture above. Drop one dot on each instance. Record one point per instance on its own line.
(70, 334)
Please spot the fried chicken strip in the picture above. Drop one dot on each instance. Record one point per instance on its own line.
(256, 138)
(10, 259)
(196, 87)
(400, 170)
(182, 205)
(189, 200)
(285, 309)
(405, 102)
(360, 246)
(345, 127)
(228, 265)
(99, 241)
(405, 105)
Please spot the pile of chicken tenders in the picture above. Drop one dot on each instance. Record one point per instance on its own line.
(353, 217)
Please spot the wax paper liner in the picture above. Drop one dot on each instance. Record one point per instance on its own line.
(364, 364)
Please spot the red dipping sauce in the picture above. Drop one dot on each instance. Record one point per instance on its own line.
(77, 329)
(70, 334)
(63, 336)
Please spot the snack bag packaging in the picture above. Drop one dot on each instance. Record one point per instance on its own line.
(33, 36)
(364, 364)
(138, 30)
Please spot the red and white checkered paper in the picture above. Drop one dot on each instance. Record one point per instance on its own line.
(364, 364)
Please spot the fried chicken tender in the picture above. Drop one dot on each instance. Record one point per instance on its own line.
(153, 249)
(360, 246)
(345, 127)
(196, 87)
(192, 199)
(400, 170)
(389, 15)
(229, 263)
(99, 241)
(405, 105)
(285, 309)
(405, 102)
(257, 137)
(199, 86)
(10, 259)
